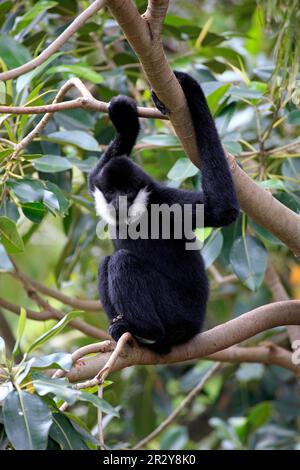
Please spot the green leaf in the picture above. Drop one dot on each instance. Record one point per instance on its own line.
(161, 140)
(294, 117)
(10, 237)
(52, 164)
(291, 169)
(182, 169)
(81, 139)
(248, 258)
(271, 184)
(259, 415)
(27, 78)
(34, 211)
(63, 432)
(81, 71)
(5, 153)
(27, 190)
(27, 421)
(53, 361)
(203, 233)
(40, 7)
(62, 389)
(13, 53)
(50, 201)
(214, 98)
(232, 147)
(268, 236)
(84, 165)
(63, 202)
(212, 248)
(174, 438)
(55, 330)
(20, 331)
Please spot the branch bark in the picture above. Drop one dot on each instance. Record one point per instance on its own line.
(216, 340)
(255, 201)
(85, 103)
(143, 33)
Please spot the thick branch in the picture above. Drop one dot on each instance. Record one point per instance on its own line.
(267, 353)
(155, 15)
(57, 44)
(255, 201)
(205, 344)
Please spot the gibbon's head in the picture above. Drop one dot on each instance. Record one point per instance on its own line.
(121, 191)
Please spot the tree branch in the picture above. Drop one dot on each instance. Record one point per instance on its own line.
(255, 201)
(267, 353)
(88, 305)
(216, 340)
(84, 103)
(40, 316)
(279, 293)
(57, 44)
(6, 333)
(85, 328)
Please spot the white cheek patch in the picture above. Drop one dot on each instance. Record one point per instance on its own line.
(103, 208)
(139, 206)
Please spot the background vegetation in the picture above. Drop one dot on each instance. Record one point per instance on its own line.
(246, 56)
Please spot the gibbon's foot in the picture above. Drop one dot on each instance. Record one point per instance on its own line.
(159, 105)
(117, 329)
(123, 113)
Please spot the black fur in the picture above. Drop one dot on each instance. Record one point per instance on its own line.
(160, 289)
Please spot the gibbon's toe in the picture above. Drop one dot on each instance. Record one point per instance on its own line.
(122, 111)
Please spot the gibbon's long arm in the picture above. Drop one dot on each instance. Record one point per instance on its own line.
(127, 131)
(221, 206)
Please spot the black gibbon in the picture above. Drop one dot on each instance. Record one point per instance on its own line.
(156, 289)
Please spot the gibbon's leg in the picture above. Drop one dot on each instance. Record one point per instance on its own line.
(221, 206)
(133, 287)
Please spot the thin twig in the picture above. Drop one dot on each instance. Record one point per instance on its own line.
(221, 279)
(81, 304)
(88, 103)
(99, 419)
(79, 21)
(188, 399)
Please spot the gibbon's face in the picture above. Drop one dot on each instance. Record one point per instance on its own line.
(121, 192)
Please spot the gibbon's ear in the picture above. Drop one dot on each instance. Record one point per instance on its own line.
(123, 113)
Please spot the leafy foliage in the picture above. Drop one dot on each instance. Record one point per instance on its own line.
(47, 220)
